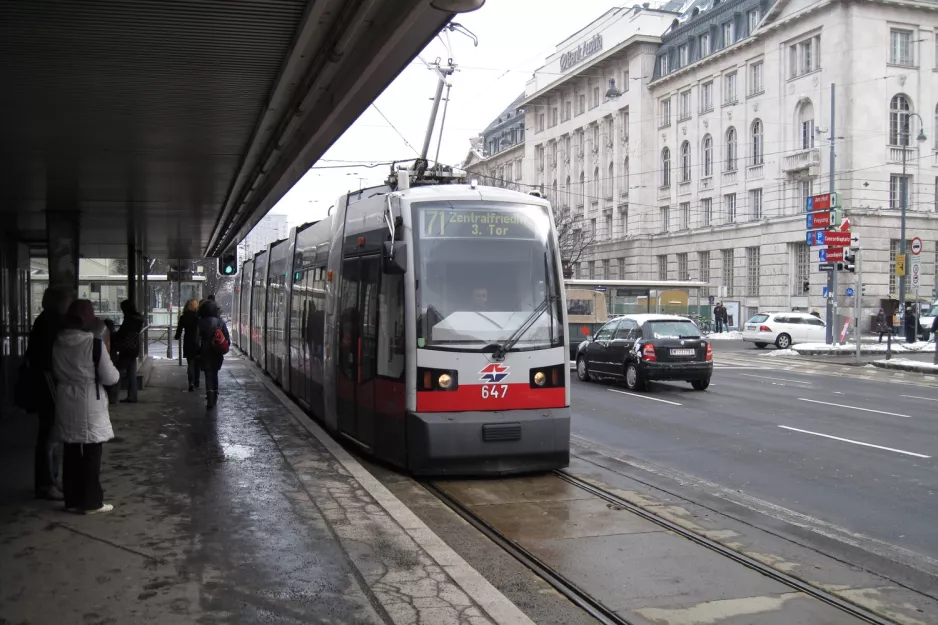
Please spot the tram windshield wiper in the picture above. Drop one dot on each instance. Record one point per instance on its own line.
(505, 346)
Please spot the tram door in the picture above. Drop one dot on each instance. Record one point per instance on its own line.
(357, 350)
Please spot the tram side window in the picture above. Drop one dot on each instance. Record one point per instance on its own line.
(315, 313)
(391, 327)
(370, 274)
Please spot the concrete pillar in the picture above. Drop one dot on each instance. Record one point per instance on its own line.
(62, 235)
(132, 272)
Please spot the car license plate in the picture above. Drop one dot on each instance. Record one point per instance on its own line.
(750, 327)
(682, 352)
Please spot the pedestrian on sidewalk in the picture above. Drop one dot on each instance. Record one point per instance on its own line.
(128, 347)
(113, 390)
(718, 316)
(81, 367)
(45, 330)
(881, 326)
(214, 342)
(188, 330)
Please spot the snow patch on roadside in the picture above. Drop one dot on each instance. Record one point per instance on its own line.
(734, 335)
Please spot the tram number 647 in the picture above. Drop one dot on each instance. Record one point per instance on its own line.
(494, 391)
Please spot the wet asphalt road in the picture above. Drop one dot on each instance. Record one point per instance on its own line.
(742, 437)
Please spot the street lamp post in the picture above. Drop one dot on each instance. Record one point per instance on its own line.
(904, 198)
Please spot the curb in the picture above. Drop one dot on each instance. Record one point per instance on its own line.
(905, 366)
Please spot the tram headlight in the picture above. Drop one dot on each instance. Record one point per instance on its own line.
(547, 377)
(437, 379)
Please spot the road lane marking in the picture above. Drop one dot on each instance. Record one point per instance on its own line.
(917, 397)
(847, 440)
(827, 403)
(663, 401)
(763, 377)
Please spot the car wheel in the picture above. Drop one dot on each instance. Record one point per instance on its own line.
(761, 345)
(783, 341)
(700, 385)
(633, 378)
(582, 371)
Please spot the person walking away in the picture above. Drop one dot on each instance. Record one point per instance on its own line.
(726, 318)
(55, 302)
(81, 367)
(881, 326)
(113, 390)
(214, 342)
(128, 347)
(188, 329)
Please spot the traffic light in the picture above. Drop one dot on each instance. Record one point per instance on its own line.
(850, 261)
(228, 262)
(805, 287)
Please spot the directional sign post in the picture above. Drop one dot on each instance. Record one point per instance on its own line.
(824, 201)
(836, 239)
(822, 219)
(831, 255)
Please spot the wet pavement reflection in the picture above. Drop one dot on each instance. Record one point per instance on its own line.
(233, 515)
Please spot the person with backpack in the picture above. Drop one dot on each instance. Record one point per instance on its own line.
(36, 392)
(81, 368)
(214, 344)
(128, 347)
(189, 323)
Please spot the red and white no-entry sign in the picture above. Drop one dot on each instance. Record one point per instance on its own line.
(916, 247)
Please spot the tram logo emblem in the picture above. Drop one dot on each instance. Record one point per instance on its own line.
(494, 373)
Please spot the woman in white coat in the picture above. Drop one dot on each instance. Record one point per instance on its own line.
(81, 368)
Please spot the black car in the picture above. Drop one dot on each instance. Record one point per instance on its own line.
(645, 348)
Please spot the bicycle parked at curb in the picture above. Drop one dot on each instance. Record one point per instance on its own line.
(705, 325)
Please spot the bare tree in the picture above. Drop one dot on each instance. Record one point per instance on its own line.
(573, 238)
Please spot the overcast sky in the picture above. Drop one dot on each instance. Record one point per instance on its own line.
(515, 37)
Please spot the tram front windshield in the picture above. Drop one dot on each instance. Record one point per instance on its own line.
(484, 271)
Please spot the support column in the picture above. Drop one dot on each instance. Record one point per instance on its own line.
(132, 272)
(62, 231)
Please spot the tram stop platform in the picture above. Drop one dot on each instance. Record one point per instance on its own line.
(247, 513)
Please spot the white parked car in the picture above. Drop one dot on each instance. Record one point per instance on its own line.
(784, 329)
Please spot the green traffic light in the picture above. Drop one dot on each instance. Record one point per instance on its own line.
(228, 269)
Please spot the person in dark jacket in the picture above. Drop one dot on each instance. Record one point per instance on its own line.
(127, 344)
(189, 324)
(113, 390)
(48, 325)
(881, 326)
(210, 358)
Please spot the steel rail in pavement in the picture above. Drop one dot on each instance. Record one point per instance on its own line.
(751, 563)
(561, 584)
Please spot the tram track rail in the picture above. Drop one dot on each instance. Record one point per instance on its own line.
(596, 608)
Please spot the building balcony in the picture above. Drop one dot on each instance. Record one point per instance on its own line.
(801, 159)
(729, 177)
(894, 154)
(684, 188)
(664, 193)
(705, 183)
(755, 172)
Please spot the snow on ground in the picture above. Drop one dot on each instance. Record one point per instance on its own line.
(780, 352)
(917, 364)
(866, 347)
(734, 335)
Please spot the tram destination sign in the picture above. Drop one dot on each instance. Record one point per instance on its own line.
(469, 223)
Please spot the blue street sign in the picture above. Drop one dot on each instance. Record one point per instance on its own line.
(849, 291)
(600, 289)
(822, 256)
(810, 204)
(824, 291)
(814, 237)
